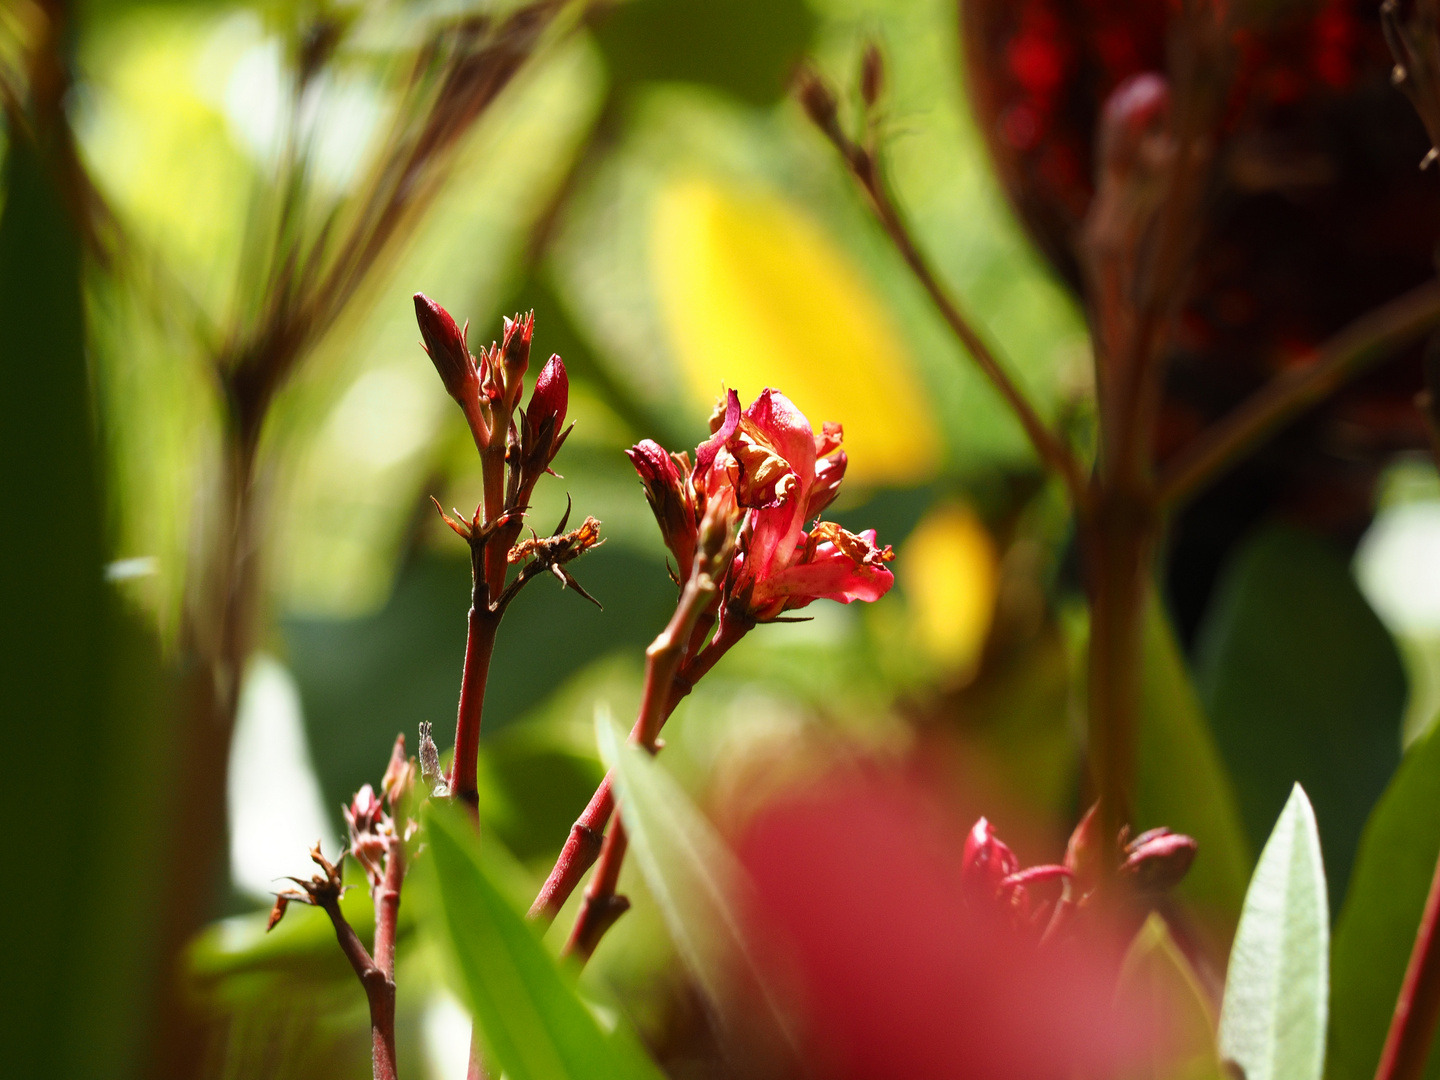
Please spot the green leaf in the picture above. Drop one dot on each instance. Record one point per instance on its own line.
(1376, 928)
(1273, 1021)
(1182, 781)
(532, 1021)
(698, 885)
(1302, 683)
(1158, 981)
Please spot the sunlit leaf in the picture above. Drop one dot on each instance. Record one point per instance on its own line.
(534, 1025)
(697, 883)
(1376, 928)
(1277, 988)
(754, 294)
(1161, 987)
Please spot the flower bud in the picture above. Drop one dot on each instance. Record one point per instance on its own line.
(399, 775)
(987, 862)
(445, 342)
(1158, 860)
(872, 75)
(550, 400)
(364, 818)
(670, 500)
(515, 353)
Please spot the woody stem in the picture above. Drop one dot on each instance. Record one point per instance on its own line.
(583, 846)
(479, 646)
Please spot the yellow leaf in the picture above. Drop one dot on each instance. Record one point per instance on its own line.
(754, 294)
(948, 572)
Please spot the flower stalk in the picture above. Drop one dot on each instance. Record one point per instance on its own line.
(1417, 1008)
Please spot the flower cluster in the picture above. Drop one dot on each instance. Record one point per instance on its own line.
(767, 471)
(1150, 864)
(488, 389)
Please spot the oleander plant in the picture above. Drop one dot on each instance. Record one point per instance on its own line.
(965, 605)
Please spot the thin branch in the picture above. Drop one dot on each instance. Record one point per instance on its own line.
(1371, 338)
(583, 845)
(1412, 1028)
(863, 165)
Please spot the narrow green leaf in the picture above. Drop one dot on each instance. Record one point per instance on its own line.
(698, 885)
(1158, 981)
(1182, 780)
(532, 1021)
(1376, 928)
(1276, 994)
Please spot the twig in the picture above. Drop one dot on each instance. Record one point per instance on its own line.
(1412, 1028)
(1368, 340)
(1052, 450)
(583, 845)
(663, 659)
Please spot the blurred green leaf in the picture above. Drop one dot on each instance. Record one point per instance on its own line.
(745, 47)
(1182, 781)
(1302, 683)
(1273, 1020)
(697, 883)
(1157, 981)
(1376, 928)
(534, 1025)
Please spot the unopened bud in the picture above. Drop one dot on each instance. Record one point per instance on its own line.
(445, 342)
(817, 100)
(515, 353)
(1134, 113)
(1158, 860)
(670, 501)
(872, 75)
(551, 398)
(399, 775)
(987, 862)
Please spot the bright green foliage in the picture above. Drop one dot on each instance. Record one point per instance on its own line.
(1302, 682)
(695, 879)
(533, 1023)
(1273, 1020)
(1376, 928)
(1183, 782)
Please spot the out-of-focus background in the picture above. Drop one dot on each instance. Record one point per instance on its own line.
(225, 591)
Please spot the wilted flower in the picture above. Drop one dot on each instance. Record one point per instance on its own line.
(768, 465)
(369, 828)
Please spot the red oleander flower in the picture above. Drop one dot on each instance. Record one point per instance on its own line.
(777, 474)
(991, 876)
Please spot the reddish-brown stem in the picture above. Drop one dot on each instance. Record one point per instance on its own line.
(1369, 339)
(601, 905)
(376, 975)
(583, 845)
(492, 465)
(479, 646)
(1050, 448)
(1412, 1029)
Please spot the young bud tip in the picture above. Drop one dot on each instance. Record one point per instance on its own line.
(445, 342)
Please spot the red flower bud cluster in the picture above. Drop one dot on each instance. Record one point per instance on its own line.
(372, 821)
(769, 473)
(489, 390)
(1151, 864)
(489, 387)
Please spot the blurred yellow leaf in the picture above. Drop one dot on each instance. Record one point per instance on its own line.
(754, 294)
(948, 571)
